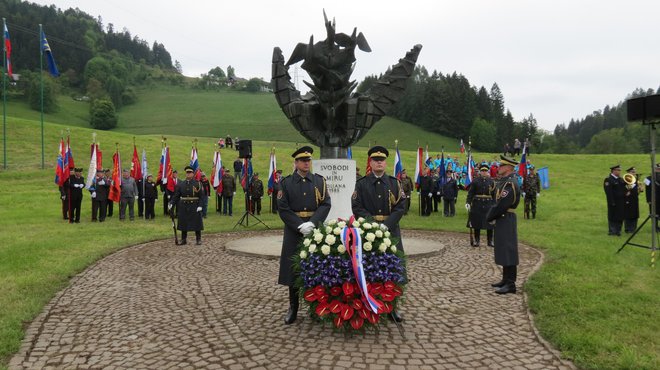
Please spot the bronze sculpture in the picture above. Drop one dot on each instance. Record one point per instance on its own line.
(331, 115)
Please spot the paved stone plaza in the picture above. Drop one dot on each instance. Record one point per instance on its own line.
(159, 306)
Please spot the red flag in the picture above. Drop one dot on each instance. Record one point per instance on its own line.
(368, 167)
(69, 154)
(8, 52)
(60, 169)
(99, 158)
(136, 167)
(168, 171)
(115, 188)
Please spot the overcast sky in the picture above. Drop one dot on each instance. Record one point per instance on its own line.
(555, 59)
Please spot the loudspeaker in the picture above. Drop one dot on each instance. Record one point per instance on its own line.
(245, 148)
(645, 109)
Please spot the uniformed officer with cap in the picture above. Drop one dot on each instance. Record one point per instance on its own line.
(188, 198)
(380, 196)
(531, 188)
(507, 197)
(615, 190)
(303, 203)
(631, 203)
(76, 184)
(480, 198)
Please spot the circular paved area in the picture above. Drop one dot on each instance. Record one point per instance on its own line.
(158, 306)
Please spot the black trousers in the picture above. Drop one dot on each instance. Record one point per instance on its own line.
(149, 212)
(630, 225)
(436, 200)
(427, 205)
(509, 274)
(110, 207)
(140, 203)
(273, 203)
(198, 235)
(74, 211)
(489, 235)
(99, 210)
(65, 208)
(256, 205)
(218, 203)
(165, 201)
(615, 227)
(450, 207)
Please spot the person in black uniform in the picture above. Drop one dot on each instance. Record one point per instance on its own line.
(99, 192)
(450, 194)
(438, 185)
(480, 199)
(64, 196)
(381, 197)
(631, 202)
(76, 185)
(426, 192)
(655, 180)
(110, 203)
(188, 197)
(615, 190)
(276, 188)
(507, 197)
(150, 198)
(256, 193)
(303, 203)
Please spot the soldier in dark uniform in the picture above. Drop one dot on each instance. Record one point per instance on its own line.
(110, 203)
(76, 185)
(303, 203)
(437, 188)
(380, 196)
(654, 180)
(507, 197)
(276, 189)
(615, 190)
(150, 198)
(64, 196)
(206, 184)
(256, 193)
(99, 191)
(531, 188)
(449, 194)
(631, 202)
(480, 198)
(140, 200)
(407, 186)
(188, 195)
(426, 192)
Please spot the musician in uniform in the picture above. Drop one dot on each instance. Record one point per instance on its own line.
(380, 196)
(615, 190)
(531, 188)
(303, 203)
(480, 198)
(630, 201)
(507, 197)
(188, 197)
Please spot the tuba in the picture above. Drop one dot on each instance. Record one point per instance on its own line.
(630, 180)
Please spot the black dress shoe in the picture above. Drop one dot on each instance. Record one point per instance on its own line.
(490, 244)
(498, 284)
(183, 242)
(475, 244)
(395, 316)
(291, 315)
(507, 288)
(199, 242)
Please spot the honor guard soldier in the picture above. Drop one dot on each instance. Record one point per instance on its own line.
(615, 190)
(654, 180)
(380, 196)
(188, 197)
(303, 203)
(630, 201)
(507, 197)
(76, 185)
(531, 189)
(480, 198)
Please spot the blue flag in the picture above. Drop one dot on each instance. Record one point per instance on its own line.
(52, 68)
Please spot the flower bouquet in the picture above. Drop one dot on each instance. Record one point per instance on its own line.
(350, 273)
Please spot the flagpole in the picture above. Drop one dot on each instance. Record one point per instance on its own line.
(41, 90)
(4, 95)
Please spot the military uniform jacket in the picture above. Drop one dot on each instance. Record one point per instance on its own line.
(76, 191)
(257, 189)
(647, 182)
(480, 197)
(300, 199)
(382, 199)
(631, 202)
(188, 196)
(615, 190)
(101, 186)
(450, 189)
(507, 197)
(426, 185)
(407, 186)
(228, 185)
(531, 185)
(150, 191)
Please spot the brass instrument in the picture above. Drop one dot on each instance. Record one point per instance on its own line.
(630, 180)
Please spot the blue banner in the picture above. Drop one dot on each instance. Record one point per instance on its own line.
(544, 176)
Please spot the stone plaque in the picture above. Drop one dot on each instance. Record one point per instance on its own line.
(340, 179)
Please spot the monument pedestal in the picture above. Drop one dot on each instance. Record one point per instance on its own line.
(340, 179)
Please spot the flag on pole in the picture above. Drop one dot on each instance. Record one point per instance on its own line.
(418, 167)
(145, 171)
(398, 166)
(91, 171)
(99, 157)
(470, 170)
(115, 188)
(69, 154)
(169, 174)
(218, 172)
(367, 170)
(8, 52)
(272, 170)
(136, 167)
(462, 147)
(442, 174)
(52, 67)
(194, 163)
(349, 153)
(62, 169)
(246, 172)
(427, 157)
(162, 174)
(522, 167)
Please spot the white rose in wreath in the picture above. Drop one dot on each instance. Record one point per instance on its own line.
(367, 246)
(370, 237)
(332, 222)
(361, 219)
(341, 249)
(318, 237)
(341, 224)
(393, 248)
(375, 225)
(360, 231)
(307, 242)
(379, 234)
(336, 231)
(356, 224)
(382, 248)
(384, 227)
(328, 229)
(387, 242)
(325, 249)
(303, 254)
(312, 248)
(387, 234)
(330, 239)
(366, 226)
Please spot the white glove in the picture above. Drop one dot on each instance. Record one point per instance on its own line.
(538, 195)
(136, 197)
(63, 197)
(234, 193)
(306, 228)
(199, 209)
(438, 193)
(523, 194)
(101, 182)
(169, 206)
(467, 206)
(430, 195)
(94, 195)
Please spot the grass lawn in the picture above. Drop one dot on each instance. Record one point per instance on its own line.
(599, 308)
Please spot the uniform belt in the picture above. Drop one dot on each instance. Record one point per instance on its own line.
(189, 198)
(305, 213)
(380, 218)
(484, 196)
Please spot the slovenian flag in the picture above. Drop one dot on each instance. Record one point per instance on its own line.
(418, 167)
(8, 52)
(52, 67)
(272, 171)
(470, 171)
(522, 167)
(69, 154)
(218, 173)
(398, 166)
(246, 173)
(194, 163)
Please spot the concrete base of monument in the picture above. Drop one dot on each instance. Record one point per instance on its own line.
(270, 245)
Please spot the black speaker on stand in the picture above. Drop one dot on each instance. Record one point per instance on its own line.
(245, 152)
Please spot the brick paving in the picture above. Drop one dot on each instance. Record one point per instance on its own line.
(159, 306)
